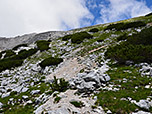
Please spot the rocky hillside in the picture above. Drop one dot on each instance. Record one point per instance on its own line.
(102, 69)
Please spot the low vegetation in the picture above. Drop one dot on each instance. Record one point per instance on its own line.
(130, 84)
(79, 37)
(94, 30)
(124, 26)
(18, 46)
(59, 85)
(137, 48)
(16, 60)
(50, 61)
(9, 53)
(42, 45)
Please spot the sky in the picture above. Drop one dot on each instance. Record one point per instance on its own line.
(20, 17)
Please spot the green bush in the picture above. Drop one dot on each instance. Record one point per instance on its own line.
(16, 60)
(78, 104)
(67, 37)
(94, 30)
(43, 45)
(21, 45)
(79, 37)
(9, 63)
(144, 37)
(59, 85)
(50, 61)
(148, 15)
(23, 54)
(124, 26)
(137, 48)
(9, 53)
(126, 51)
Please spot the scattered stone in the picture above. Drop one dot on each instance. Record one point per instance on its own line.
(61, 110)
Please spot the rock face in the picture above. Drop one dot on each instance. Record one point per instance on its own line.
(7, 43)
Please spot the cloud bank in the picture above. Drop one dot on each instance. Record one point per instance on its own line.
(24, 16)
(121, 9)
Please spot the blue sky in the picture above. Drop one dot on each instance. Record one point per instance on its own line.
(20, 17)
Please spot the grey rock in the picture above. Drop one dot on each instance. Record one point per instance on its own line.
(35, 92)
(29, 102)
(5, 95)
(143, 104)
(1, 105)
(25, 97)
(25, 89)
(18, 89)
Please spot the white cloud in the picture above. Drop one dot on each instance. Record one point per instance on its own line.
(122, 9)
(20, 17)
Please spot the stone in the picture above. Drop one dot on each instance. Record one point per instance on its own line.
(35, 92)
(143, 104)
(29, 102)
(109, 112)
(1, 105)
(18, 89)
(25, 89)
(25, 97)
(5, 95)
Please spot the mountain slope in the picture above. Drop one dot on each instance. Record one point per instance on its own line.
(92, 70)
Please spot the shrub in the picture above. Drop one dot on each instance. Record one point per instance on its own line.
(43, 45)
(50, 61)
(137, 48)
(59, 85)
(79, 37)
(122, 37)
(124, 26)
(126, 51)
(144, 37)
(78, 104)
(9, 53)
(94, 30)
(23, 54)
(57, 99)
(67, 37)
(16, 60)
(21, 45)
(9, 63)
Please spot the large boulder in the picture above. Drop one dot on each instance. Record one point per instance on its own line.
(89, 82)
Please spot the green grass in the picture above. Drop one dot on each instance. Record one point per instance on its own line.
(111, 99)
